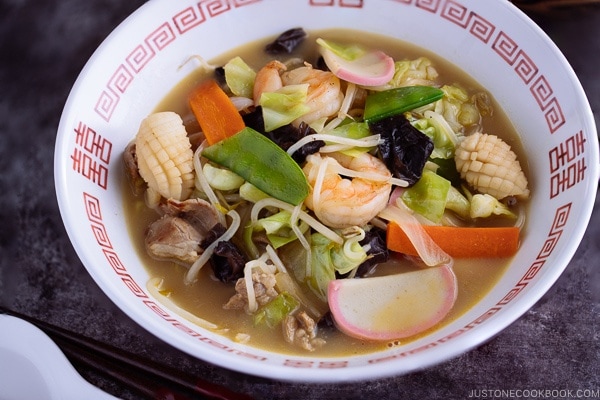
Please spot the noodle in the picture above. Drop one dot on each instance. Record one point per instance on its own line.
(315, 224)
(204, 186)
(369, 141)
(153, 286)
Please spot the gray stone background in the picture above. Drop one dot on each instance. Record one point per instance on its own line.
(44, 45)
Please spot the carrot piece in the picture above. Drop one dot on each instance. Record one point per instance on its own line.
(460, 242)
(218, 117)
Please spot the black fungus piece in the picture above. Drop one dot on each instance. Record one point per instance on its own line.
(220, 76)
(254, 120)
(228, 262)
(326, 322)
(213, 234)
(309, 148)
(378, 253)
(321, 64)
(447, 169)
(285, 136)
(405, 149)
(286, 42)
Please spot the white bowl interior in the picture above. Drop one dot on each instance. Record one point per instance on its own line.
(492, 41)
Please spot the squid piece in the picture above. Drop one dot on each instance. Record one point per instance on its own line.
(489, 165)
(165, 157)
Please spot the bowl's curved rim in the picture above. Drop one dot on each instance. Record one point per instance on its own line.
(423, 360)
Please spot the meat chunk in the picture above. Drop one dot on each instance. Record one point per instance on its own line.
(174, 239)
(264, 291)
(182, 231)
(301, 330)
(137, 183)
(202, 215)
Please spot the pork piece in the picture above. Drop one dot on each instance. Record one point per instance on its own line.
(301, 330)
(137, 183)
(182, 231)
(264, 291)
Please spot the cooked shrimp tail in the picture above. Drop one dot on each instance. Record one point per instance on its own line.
(268, 79)
(340, 202)
(325, 96)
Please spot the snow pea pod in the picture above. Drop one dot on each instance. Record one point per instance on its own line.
(387, 103)
(261, 162)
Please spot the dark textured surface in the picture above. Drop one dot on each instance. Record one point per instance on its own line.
(44, 45)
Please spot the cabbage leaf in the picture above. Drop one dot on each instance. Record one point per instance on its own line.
(284, 105)
(444, 139)
(328, 258)
(276, 310)
(428, 196)
(278, 228)
(239, 77)
(419, 71)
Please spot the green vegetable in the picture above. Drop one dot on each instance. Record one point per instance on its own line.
(485, 205)
(251, 193)
(428, 196)
(459, 110)
(346, 258)
(284, 105)
(221, 178)
(276, 310)
(278, 228)
(347, 52)
(380, 105)
(353, 130)
(447, 169)
(407, 71)
(328, 257)
(458, 203)
(239, 77)
(261, 162)
(322, 271)
(443, 137)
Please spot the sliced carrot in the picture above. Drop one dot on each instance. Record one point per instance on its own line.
(217, 115)
(460, 242)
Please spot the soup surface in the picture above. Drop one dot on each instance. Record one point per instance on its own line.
(206, 296)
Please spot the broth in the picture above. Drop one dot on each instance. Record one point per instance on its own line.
(206, 296)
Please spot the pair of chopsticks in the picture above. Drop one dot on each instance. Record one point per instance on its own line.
(140, 375)
(547, 5)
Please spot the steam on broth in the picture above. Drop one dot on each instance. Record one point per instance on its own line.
(206, 295)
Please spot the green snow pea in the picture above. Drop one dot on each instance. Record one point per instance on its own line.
(261, 162)
(380, 105)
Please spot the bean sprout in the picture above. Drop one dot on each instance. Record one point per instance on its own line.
(192, 274)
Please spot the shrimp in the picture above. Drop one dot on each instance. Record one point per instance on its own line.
(324, 91)
(341, 202)
(268, 79)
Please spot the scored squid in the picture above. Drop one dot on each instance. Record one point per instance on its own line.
(490, 166)
(165, 157)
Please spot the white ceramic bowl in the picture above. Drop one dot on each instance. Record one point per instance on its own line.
(493, 41)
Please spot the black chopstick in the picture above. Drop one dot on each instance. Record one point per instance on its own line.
(547, 5)
(141, 375)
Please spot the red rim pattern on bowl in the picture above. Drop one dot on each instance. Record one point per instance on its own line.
(91, 154)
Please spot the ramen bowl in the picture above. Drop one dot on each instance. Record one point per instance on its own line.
(493, 42)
